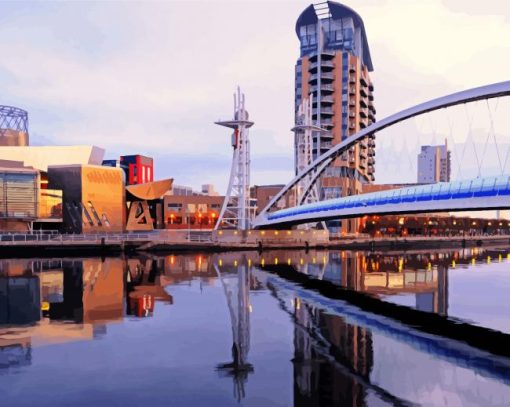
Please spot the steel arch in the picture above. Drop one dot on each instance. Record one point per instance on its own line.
(470, 95)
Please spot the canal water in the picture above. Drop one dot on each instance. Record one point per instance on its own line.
(227, 329)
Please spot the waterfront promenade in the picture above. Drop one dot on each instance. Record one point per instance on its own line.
(228, 240)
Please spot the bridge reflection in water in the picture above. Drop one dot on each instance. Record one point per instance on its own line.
(341, 356)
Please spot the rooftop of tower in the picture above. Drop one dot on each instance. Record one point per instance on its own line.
(331, 9)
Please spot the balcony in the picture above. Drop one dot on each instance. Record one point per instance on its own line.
(327, 99)
(327, 110)
(363, 92)
(352, 126)
(371, 161)
(312, 68)
(371, 152)
(363, 81)
(327, 122)
(371, 88)
(352, 90)
(362, 113)
(313, 78)
(352, 115)
(370, 97)
(363, 103)
(327, 64)
(327, 75)
(327, 54)
(352, 79)
(327, 87)
(352, 102)
(352, 68)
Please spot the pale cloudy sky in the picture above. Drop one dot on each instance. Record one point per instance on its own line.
(151, 77)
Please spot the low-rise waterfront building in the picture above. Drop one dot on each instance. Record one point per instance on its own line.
(42, 157)
(264, 193)
(93, 197)
(191, 211)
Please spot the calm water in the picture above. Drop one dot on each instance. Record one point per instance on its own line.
(219, 330)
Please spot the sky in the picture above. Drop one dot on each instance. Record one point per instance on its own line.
(152, 77)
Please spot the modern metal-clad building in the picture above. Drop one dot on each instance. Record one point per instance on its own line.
(333, 67)
(93, 197)
(19, 189)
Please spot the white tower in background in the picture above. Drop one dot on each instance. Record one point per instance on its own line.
(236, 210)
(303, 132)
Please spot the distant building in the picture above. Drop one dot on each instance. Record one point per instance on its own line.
(263, 194)
(13, 126)
(181, 190)
(139, 169)
(208, 189)
(434, 164)
(184, 190)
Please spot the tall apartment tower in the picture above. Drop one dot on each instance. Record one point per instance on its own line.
(334, 66)
(434, 164)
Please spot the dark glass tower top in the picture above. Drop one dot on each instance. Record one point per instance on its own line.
(342, 29)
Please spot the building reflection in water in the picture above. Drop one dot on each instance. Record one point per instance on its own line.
(423, 276)
(319, 340)
(59, 300)
(333, 359)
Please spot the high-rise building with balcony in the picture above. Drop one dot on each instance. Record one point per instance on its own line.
(333, 67)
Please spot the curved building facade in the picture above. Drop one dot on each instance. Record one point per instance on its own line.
(13, 126)
(333, 67)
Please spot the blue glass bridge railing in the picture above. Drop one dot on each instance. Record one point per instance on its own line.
(476, 188)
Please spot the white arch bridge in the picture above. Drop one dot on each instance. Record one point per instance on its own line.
(478, 194)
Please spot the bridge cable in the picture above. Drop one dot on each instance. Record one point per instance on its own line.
(432, 128)
(470, 119)
(450, 136)
(493, 131)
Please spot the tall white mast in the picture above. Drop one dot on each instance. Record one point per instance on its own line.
(236, 211)
(303, 131)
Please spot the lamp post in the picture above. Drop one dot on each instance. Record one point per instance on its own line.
(188, 220)
(200, 218)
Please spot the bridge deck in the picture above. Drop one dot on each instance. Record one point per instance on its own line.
(480, 193)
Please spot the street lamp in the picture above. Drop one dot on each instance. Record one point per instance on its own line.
(188, 220)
